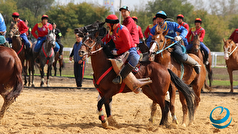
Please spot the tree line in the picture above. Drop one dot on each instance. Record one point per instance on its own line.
(219, 17)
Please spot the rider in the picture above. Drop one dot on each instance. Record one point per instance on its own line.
(198, 30)
(234, 36)
(123, 42)
(173, 27)
(42, 30)
(130, 24)
(58, 36)
(22, 29)
(180, 18)
(149, 27)
(138, 28)
(28, 33)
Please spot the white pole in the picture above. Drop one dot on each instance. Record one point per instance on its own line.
(120, 13)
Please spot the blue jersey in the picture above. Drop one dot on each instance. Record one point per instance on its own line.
(76, 48)
(173, 28)
(2, 24)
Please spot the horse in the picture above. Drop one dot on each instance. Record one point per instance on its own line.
(156, 91)
(197, 51)
(46, 56)
(186, 72)
(11, 77)
(26, 59)
(231, 58)
(61, 63)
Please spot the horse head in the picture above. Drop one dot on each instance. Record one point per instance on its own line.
(92, 38)
(196, 43)
(229, 47)
(158, 41)
(51, 38)
(13, 30)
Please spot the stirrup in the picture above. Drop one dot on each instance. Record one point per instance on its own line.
(117, 80)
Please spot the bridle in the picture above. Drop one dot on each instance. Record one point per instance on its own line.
(231, 52)
(90, 47)
(158, 46)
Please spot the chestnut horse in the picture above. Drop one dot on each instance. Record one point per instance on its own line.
(156, 91)
(197, 51)
(26, 60)
(231, 57)
(10, 80)
(188, 74)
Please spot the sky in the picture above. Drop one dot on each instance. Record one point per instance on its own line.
(130, 3)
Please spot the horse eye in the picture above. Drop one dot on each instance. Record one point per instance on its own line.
(161, 41)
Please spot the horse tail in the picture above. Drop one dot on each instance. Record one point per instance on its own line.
(18, 85)
(186, 91)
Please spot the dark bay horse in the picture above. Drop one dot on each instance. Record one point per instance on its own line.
(231, 57)
(197, 51)
(156, 91)
(188, 74)
(10, 79)
(46, 56)
(61, 63)
(26, 60)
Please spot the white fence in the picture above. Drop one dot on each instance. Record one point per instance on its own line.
(214, 55)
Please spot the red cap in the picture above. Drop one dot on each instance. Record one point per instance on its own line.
(154, 18)
(44, 17)
(15, 14)
(134, 18)
(198, 20)
(112, 19)
(180, 16)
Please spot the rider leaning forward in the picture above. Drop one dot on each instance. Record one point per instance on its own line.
(42, 30)
(198, 30)
(123, 42)
(174, 27)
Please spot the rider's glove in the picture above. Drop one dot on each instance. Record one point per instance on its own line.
(114, 52)
(178, 38)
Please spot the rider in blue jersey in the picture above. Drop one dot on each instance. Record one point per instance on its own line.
(174, 27)
(3, 31)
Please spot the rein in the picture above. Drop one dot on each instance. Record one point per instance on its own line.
(47, 57)
(20, 49)
(230, 53)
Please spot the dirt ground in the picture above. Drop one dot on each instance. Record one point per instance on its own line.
(56, 111)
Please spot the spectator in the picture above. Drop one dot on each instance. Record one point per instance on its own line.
(79, 62)
(58, 37)
(28, 33)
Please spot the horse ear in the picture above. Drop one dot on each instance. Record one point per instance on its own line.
(166, 32)
(224, 40)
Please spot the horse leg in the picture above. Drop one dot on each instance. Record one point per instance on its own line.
(48, 75)
(42, 76)
(55, 67)
(24, 72)
(197, 90)
(231, 78)
(33, 72)
(5, 106)
(209, 70)
(184, 108)
(153, 108)
(100, 112)
(172, 91)
(110, 119)
(164, 105)
(60, 69)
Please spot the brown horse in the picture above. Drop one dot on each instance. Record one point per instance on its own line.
(231, 57)
(26, 60)
(197, 51)
(10, 79)
(156, 91)
(188, 74)
(61, 63)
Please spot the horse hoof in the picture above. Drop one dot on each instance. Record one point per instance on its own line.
(151, 120)
(104, 125)
(175, 121)
(112, 121)
(32, 85)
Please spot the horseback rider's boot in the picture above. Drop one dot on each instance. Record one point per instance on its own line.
(123, 73)
(193, 63)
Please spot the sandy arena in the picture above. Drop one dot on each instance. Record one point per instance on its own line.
(63, 111)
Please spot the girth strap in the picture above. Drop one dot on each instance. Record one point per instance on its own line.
(47, 57)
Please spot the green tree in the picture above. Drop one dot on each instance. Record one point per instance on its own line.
(7, 8)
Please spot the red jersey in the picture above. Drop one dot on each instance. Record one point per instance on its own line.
(139, 32)
(185, 25)
(42, 29)
(22, 26)
(194, 31)
(147, 30)
(131, 26)
(234, 36)
(122, 39)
